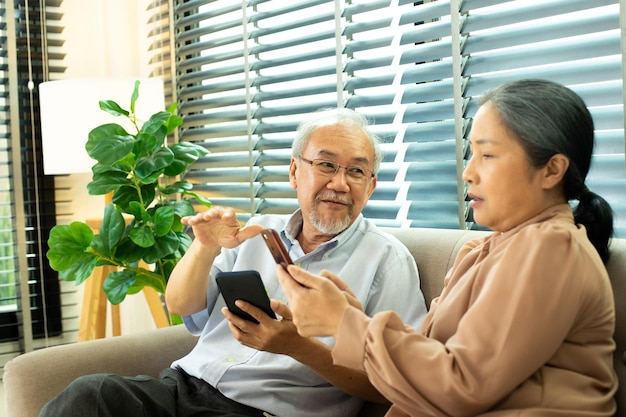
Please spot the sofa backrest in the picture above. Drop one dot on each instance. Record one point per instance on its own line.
(434, 251)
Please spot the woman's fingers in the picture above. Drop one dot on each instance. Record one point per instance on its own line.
(316, 303)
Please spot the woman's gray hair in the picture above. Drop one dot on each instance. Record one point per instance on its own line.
(335, 116)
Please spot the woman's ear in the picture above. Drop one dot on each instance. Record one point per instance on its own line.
(555, 170)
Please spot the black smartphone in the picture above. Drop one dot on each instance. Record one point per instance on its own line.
(276, 247)
(247, 286)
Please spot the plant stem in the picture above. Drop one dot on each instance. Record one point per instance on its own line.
(157, 279)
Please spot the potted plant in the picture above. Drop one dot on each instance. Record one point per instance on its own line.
(142, 222)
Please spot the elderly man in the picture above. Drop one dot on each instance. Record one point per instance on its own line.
(241, 368)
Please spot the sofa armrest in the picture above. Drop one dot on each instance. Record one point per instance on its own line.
(32, 379)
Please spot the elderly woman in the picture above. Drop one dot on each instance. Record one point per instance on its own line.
(524, 324)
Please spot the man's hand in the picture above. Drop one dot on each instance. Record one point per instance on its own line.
(270, 335)
(281, 337)
(218, 226)
(214, 229)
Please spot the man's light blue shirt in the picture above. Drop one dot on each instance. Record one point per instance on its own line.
(377, 267)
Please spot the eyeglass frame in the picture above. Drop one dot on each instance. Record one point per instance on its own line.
(337, 167)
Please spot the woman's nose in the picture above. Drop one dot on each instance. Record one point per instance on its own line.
(468, 172)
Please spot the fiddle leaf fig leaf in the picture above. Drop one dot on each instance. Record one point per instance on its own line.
(80, 270)
(68, 244)
(177, 187)
(185, 241)
(155, 122)
(152, 178)
(125, 195)
(156, 162)
(105, 182)
(112, 228)
(113, 108)
(100, 249)
(137, 210)
(185, 154)
(142, 236)
(205, 202)
(138, 285)
(177, 167)
(172, 108)
(145, 145)
(182, 208)
(172, 123)
(129, 253)
(117, 283)
(163, 246)
(112, 149)
(122, 166)
(134, 96)
(102, 133)
(146, 280)
(177, 225)
(76, 232)
(163, 220)
(188, 152)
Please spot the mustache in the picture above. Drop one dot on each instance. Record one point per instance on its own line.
(334, 197)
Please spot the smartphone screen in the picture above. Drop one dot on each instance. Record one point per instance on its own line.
(276, 247)
(247, 286)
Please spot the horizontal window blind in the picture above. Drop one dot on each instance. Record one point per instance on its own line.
(159, 45)
(9, 278)
(399, 73)
(247, 75)
(574, 42)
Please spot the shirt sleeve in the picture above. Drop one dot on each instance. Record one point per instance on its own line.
(499, 325)
(196, 322)
(397, 288)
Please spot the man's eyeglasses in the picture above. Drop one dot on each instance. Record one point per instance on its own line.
(327, 168)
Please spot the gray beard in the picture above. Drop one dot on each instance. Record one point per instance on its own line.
(330, 228)
(333, 227)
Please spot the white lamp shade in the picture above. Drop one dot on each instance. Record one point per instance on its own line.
(70, 110)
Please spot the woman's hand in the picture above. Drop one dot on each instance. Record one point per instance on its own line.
(317, 303)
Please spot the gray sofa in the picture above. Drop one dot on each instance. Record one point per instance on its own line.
(30, 380)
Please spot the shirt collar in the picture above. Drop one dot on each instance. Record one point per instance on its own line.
(294, 226)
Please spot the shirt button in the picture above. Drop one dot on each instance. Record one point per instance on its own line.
(230, 360)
